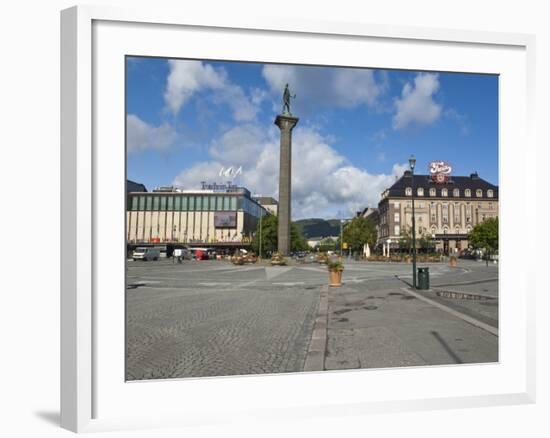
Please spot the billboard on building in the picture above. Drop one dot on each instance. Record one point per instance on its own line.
(225, 219)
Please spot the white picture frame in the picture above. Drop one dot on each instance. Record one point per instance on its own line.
(90, 356)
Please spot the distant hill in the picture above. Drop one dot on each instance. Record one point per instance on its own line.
(318, 227)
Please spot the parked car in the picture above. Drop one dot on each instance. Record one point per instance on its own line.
(146, 254)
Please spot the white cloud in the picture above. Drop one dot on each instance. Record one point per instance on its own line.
(187, 78)
(322, 181)
(416, 105)
(334, 87)
(141, 135)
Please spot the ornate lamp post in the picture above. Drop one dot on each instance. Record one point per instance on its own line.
(412, 163)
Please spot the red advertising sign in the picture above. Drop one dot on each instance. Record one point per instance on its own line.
(440, 171)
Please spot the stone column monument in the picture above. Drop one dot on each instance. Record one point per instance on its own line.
(286, 122)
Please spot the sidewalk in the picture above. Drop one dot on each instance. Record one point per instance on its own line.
(377, 325)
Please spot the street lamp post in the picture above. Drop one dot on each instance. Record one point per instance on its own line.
(260, 249)
(412, 163)
(341, 236)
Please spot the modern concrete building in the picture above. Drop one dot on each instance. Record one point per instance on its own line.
(218, 215)
(447, 211)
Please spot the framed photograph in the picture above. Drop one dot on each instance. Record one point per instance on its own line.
(252, 210)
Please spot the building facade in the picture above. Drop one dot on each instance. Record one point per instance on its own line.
(268, 202)
(445, 211)
(216, 215)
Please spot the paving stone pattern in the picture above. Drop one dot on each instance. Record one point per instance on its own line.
(211, 318)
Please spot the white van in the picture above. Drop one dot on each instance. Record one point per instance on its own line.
(146, 254)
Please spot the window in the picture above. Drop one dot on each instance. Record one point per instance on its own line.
(445, 213)
(155, 203)
(432, 192)
(443, 192)
(163, 203)
(456, 193)
(479, 193)
(396, 230)
(396, 205)
(149, 205)
(489, 193)
(226, 203)
(396, 217)
(490, 205)
(233, 205)
(467, 193)
(468, 213)
(219, 203)
(142, 203)
(170, 205)
(456, 211)
(191, 203)
(198, 203)
(177, 203)
(433, 212)
(134, 203)
(184, 203)
(420, 191)
(408, 191)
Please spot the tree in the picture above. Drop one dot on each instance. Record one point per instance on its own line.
(485, 236)
(268, 235)
(327, 244)
(269, 232)
(359, 231)
(426, 241)
(405, 239)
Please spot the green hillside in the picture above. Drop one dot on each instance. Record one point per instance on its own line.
(316, 227)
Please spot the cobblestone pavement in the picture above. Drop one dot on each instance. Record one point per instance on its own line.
(211, 318)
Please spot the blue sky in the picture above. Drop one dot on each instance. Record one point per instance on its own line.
(186, 119)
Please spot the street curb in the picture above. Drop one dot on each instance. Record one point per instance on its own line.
(456, 294)
(315, 358)
(466, 318)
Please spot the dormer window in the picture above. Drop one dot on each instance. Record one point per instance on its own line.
(444, 192)
(420, 191)
(467, 193)
(432, 192)
(479, 193)
(408, 191)
(489, 193)
(456, 193)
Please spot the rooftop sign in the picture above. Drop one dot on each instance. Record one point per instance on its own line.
(440, 171)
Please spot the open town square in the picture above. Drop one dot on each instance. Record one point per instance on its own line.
(213, 318)
(316, 227)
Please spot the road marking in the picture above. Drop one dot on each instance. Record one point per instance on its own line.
(466, 318)
(274, 271)
(296, 283)
(214, 284)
